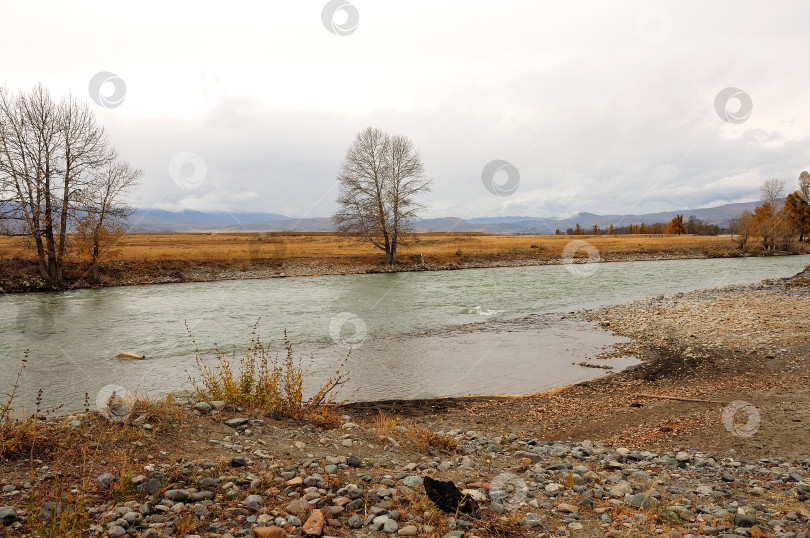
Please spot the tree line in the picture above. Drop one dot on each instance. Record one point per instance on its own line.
(676, 226)
(62, 183)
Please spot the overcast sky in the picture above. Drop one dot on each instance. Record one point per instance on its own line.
(604, 107)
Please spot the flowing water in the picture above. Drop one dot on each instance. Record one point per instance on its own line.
(410, 334)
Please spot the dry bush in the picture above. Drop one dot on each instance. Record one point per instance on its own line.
(383, 424)
(425, 439)
(417, 434)
(258, 380)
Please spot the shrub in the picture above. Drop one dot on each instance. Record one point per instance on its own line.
(424, 438)
(258, 380)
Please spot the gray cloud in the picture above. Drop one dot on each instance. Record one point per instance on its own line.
(595, 113)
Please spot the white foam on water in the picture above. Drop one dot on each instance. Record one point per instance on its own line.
(477, 310)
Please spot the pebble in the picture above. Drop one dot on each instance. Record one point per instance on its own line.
(8, 515)
(314, 524)
(106, 480)
(412, 481)
(236, 422)
(298, 507)
(177, 495)
(269, 532)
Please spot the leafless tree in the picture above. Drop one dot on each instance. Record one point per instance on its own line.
(772, 191)
(50, 152)
(804, 186)
(102, 213)
(380, 181)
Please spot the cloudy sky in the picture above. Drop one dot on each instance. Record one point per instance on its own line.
(607, 107)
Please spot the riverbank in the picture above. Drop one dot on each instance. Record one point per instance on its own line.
(166, 258)
(641, 452)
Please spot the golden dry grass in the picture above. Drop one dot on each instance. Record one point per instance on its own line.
(436, 247)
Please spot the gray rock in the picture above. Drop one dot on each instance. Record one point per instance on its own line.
(203, 407)
(355, 522)
(208, 482)
(236, 422)
(253, 501)
(412, 481)
(116, 530)
(106, 480)
(391, 526)
(643, 500)
(531, 520)
(7, 515)
(201, 496)
(745, 520)
(177, 495)
(150, 487)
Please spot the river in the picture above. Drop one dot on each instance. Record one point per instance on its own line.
(411, 334)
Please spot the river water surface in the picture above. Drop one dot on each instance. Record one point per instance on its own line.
(411, 334)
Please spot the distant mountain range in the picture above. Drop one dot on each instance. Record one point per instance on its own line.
(157, 220)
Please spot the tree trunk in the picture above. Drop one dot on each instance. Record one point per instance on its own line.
(95, 259)
(50, 245)
(43, 270)
(393, 257)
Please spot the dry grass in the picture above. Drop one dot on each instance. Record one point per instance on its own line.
(437, 247)
(24, 434)
(383, 424)
(410, 431)
(426, 439)
(75, 452)
(258, 380)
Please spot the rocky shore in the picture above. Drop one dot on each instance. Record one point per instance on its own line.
(261, 478)
(708, 436)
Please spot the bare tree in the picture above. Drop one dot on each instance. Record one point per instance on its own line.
(380, 181)
(49, 153)
(804, 186)
(103, 215)
(772, 191)
(769, 217)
